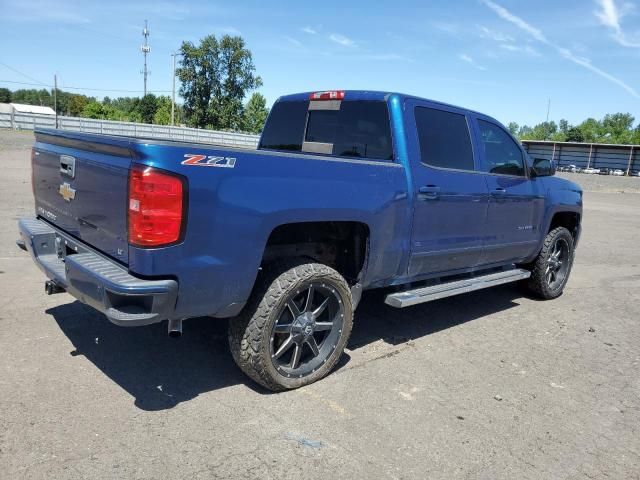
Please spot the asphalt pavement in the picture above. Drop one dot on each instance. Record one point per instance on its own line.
(487, 385)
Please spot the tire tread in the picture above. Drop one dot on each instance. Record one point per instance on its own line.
(537, 283)
(247, 330)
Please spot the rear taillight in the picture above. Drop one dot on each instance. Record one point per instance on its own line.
(156, 207)
(328, 95)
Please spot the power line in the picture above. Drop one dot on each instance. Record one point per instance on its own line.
(23, 74)
(85, 88)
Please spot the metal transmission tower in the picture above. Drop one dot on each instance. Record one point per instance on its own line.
(145, 49)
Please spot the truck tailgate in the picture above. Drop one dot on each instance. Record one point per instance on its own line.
(80, 184)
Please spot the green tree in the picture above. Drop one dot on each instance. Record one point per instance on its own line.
(542, 131)
(162, 116)
(77, 104)
(574, 134)
(163, 111)
(94, 110)
(524, 132)
(255, 114)
(618, 127)
(591, 130)
(514, 128)
(215, 77)
(32, 96)
(563, 126)
(5, 95)
(147, 107)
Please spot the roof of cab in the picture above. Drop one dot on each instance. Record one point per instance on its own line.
(376, 95)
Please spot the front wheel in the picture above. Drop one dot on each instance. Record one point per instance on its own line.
(550, 271)
(295, 327)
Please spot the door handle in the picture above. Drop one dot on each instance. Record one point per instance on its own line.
(428, 192)
(499, 192)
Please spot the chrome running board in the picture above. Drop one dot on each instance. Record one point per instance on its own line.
(408, 298)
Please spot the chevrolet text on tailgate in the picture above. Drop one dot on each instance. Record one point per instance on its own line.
(347, 191)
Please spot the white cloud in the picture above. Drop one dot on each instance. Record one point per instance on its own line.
(42, 11)
(231, 31)
(586, 63)
(309, 30)
(342, 40)
(528, 49)
(493, 35)
(564, 52)
(610, 16)
(387, 57)
(517, 21)
(450, 28)
(292, 41)
(466, 58)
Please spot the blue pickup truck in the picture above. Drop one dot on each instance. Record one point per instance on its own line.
(347, 191)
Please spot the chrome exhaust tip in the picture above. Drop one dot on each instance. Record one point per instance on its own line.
(175, 328)
(51, 288)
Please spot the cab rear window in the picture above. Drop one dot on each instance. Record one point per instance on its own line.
(284, 129)
(357, 129)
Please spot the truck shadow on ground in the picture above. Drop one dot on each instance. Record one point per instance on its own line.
(160, 372)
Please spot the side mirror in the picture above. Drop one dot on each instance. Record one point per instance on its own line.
(543, 167)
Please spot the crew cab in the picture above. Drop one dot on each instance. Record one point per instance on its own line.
(347, 191)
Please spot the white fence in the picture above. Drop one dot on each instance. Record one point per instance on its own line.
(30, 121)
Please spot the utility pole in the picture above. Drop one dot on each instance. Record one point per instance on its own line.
(55, 96)
(547, 121)
(173, 94)
(548, 107)
(173, 90)
(145, 49)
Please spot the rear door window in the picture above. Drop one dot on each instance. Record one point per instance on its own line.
(444, 139)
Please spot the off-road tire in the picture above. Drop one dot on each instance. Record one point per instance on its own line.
(538, 283)
(250, 332)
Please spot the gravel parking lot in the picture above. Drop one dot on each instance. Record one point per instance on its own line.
(604, 183)
(490, 385)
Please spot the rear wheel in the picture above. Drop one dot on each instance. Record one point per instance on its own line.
(550, 271)
(295, 327)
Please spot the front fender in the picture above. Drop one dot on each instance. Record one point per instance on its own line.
(561, 196)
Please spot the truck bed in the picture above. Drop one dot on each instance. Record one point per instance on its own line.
(236, 198)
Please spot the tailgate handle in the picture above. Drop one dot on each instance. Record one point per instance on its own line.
(68, 166)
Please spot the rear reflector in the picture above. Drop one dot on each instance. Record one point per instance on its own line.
(328, 95)
(156, 201)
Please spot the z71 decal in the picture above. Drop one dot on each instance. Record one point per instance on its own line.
(208, 161)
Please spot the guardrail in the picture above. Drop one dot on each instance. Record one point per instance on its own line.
(30, 121)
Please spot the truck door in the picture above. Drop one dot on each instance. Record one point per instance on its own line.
(450, 196)
(516, 202)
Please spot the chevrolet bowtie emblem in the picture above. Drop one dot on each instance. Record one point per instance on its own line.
(67, 192)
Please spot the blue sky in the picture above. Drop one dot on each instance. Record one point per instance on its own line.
(502, 57)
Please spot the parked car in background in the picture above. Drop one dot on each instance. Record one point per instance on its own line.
(571, 168)
(605, 171)
(617, 172)
(590, 170)
(634, 173)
